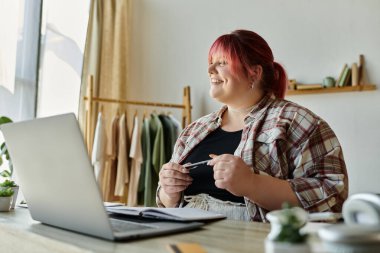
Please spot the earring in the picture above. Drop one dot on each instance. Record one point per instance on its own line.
(252, 85)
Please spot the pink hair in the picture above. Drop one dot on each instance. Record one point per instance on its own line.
(245, 49)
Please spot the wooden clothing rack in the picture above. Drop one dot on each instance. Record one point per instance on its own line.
(91, 99)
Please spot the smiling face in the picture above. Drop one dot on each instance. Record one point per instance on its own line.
(228, 86)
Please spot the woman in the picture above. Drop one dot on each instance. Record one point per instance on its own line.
(264, 150)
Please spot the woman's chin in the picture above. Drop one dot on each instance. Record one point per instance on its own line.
(216, 96)
(213, 93)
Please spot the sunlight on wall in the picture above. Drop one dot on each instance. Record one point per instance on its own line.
(63, 38)
(9, 23)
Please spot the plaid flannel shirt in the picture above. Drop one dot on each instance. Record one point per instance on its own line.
(283, 140)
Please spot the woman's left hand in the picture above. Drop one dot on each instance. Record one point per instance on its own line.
(232, 174)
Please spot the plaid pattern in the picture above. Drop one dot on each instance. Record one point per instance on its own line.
(286, 141)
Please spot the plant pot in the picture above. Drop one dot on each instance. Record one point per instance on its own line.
(5, 203)
(286, 247)
(14, 197)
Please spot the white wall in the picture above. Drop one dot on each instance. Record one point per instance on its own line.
(312, 39)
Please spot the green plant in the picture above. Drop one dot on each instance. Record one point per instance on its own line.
(6, 192)
(4, 154)
(8, 183)
(290, 227)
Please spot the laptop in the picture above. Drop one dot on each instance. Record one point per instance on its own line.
(57, 179)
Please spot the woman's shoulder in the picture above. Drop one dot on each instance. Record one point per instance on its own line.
(291, 120)
(289, 110)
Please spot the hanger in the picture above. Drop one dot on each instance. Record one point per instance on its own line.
(144, 117)
(162, 112)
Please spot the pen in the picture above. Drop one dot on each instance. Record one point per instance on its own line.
(191, 166)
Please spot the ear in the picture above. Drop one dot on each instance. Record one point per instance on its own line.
(256, 73)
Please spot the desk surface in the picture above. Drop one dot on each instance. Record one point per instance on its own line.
(220, 236)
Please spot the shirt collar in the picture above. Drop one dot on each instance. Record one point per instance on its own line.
(259, 108)
(218, 116)
(260, 105)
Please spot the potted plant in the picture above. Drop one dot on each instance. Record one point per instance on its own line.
(6, 194)
(4, 154)
(7, 173)
(285, 235)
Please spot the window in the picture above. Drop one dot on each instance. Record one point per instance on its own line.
(19, 57)
(63, 35)
(41, 58)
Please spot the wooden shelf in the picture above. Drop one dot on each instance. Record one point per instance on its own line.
(366, 87)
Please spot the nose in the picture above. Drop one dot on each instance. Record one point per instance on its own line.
(211, 68)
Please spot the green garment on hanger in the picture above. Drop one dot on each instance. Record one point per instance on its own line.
(158, 159)
(170, 136)
(147, 161)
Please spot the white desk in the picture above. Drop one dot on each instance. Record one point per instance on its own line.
(221, 236)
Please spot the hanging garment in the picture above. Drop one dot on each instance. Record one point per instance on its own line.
(99, 149)
(136, 156)
(177, 124)
(122, 172)
(110, 173)
(158, 159)
(147, 160)
(169, 135)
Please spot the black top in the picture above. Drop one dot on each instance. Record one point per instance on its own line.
(218, 142)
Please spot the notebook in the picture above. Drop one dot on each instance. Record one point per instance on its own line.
(176, 214)
(58, 182)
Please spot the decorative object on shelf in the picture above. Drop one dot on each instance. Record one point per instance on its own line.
(285, 236)
(292, 83)
(328, 82)
(367, 87)
(7, 173)
(344, 77)
(354, 74)
(363, 77)
(340, 77)
(349, 79)
(300, 86)
(6, 194)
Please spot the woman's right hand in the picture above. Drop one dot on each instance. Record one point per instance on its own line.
(174, 178)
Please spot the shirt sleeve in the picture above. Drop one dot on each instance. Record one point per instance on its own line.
(159, 202)
(319, 178)
(178, 149)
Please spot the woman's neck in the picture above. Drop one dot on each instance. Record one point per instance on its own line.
(232, 121)
(242, 110)
(233, 118)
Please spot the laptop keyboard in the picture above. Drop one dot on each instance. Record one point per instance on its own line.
(124, 226)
